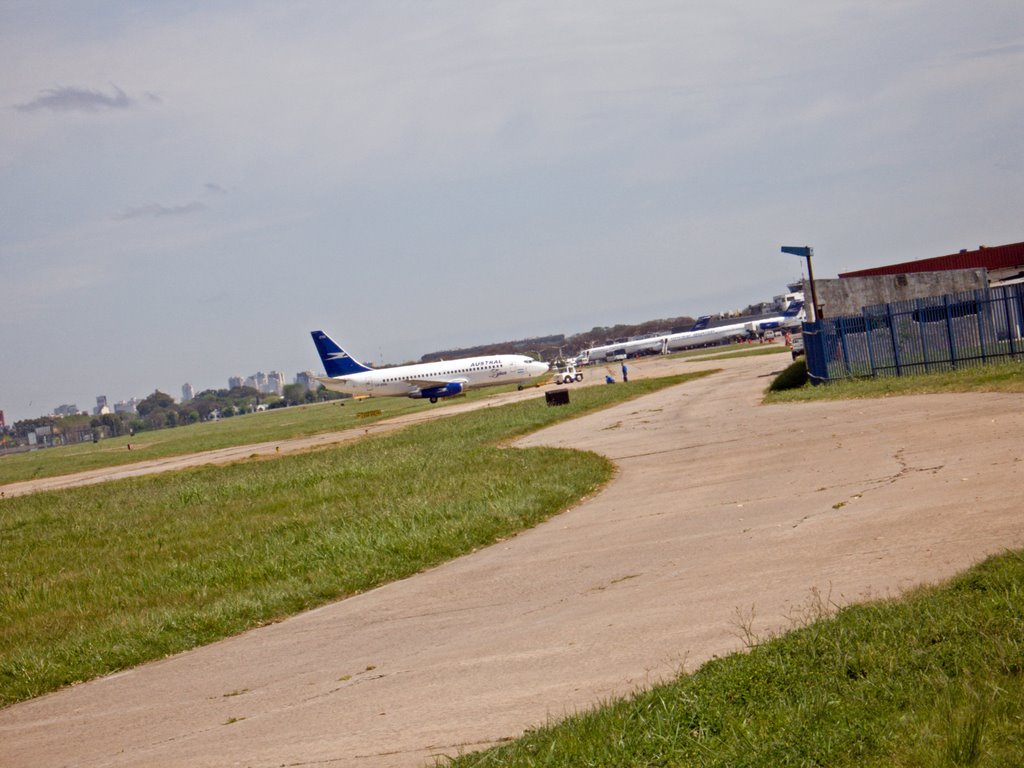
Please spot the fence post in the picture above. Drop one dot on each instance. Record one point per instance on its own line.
(983, 307)
(1010, 327)
(949, 331)
(867, 336)
(921, 332)
(814, 351)
(842, 344)
(892, 335)
(1018, 291)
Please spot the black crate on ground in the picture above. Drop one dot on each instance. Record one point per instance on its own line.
(557, 397)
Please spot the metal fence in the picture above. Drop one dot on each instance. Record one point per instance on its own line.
(940, 333)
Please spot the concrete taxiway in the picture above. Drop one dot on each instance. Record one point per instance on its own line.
(725, 516)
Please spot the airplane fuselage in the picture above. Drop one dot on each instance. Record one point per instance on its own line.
(693, 338)
(439, 379)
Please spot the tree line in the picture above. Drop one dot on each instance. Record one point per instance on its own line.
(160, 411)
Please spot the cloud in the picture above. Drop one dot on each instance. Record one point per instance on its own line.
(1011, 49)
(214, 188)
(66, 99)
(155, 210)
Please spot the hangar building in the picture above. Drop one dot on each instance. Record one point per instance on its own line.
(963, 271)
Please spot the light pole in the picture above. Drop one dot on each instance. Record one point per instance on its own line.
(806, 251)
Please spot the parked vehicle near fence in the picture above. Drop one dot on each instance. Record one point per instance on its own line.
(796, 346)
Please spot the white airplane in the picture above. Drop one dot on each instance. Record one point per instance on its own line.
(445, 378)
(634, 346)
(793, 315)
(699, 334)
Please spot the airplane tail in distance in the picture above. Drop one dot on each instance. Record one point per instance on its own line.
(335, 359)
(793, 309)
(702, 323)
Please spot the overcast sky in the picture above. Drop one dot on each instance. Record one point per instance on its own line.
(188, 188)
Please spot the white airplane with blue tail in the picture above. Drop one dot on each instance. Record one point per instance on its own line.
(698, 335)
(445, 378)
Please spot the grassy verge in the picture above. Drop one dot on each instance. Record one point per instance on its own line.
(726, 351)
(278, 424)
(100, 578)
(936, 679)
(995, 377)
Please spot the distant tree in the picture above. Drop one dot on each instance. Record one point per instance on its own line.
(204, 406)
(324, 394)
(115, 423)
(158, 400)
(23, 427)
(294, 394)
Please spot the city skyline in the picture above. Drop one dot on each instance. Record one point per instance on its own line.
(102, 401)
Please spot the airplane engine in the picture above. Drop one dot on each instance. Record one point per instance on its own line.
(450, 389)
(453, 388)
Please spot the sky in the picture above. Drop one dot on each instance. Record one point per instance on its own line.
(187, 189)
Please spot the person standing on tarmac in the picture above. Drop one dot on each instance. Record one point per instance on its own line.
(625, 375)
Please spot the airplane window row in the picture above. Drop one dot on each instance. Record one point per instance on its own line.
(448, 373)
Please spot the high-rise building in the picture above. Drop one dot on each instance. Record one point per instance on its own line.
(127, 406)
(101, 406)
(275, 383)
(308, 380)
(187, 392)
(257, 381)
(235, 382)
(65, 410)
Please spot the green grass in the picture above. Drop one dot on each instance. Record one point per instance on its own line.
(793, 377)
(994, 377)
(740, 350)
(277, 424)
(935, 679)
(100, 578)
(726, 351)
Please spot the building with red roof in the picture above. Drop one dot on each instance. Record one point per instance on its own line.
(1005, 263)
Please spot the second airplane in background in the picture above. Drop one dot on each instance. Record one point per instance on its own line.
(427, 380)
(698, 335)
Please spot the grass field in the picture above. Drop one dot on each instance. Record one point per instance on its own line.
(994, 377)
(934, 680)
(100, 578)
(267, 426)
(736, 350)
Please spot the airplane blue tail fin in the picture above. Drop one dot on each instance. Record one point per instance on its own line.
(702, 322)
(336, 360)
(793, 309)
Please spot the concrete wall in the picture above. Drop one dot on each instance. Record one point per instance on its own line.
(849, 295)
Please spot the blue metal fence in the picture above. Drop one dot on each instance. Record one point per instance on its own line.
(918, 336)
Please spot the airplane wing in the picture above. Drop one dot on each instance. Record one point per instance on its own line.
(438, 382)
(334, 384)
